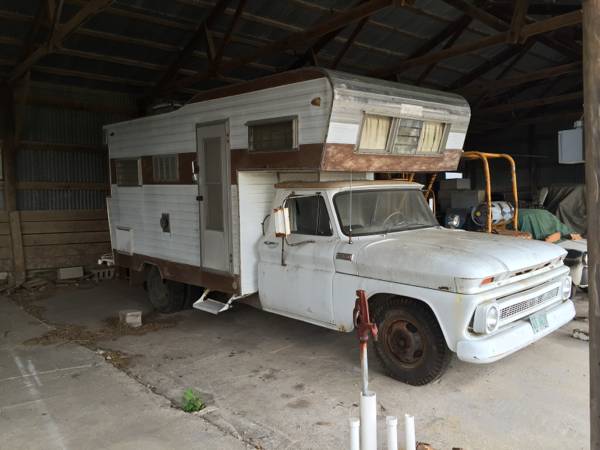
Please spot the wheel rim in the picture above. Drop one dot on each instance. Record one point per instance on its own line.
(405, 341)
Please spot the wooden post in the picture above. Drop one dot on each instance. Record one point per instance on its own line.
(591, 84)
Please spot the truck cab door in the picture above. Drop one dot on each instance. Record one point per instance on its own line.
(298, 281)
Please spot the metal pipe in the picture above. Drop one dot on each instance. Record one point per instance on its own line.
(354, 433)
(392, 432)
(364, 365)
(410, 442)
(368, 421)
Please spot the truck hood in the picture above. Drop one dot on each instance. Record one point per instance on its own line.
(436, 257)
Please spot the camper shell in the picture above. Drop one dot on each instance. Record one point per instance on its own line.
(267, 188)
(172, 174)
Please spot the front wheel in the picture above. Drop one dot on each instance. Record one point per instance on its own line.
(165, 296)
(410, 344)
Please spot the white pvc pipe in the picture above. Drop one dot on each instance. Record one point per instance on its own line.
(354, 433)
(368, 421)
(410, 441)
(392, 432)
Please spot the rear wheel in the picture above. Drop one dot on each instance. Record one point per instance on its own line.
(165, 296)
(410, 344)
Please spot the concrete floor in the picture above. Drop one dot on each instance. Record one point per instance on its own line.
(269, 382)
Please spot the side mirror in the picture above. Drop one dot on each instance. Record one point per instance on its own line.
(281, 216)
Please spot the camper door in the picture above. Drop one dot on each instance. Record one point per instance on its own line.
(214, 197)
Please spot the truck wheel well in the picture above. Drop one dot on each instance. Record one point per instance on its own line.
(378, 301)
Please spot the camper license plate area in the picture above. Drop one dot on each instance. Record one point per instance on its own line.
(539, 322)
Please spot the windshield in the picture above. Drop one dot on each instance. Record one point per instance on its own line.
(382, 211)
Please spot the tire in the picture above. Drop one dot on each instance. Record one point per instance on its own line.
(410, 344)
(165, 296)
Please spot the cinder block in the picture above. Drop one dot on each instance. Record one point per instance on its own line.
(131, 317)
(69, 273)
(455, 184)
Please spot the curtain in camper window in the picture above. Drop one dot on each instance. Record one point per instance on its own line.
(432, 135)
(374, 133)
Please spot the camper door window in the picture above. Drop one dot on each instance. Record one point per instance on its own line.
(272, 135)
(400, 136)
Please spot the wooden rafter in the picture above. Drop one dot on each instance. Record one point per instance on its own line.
(533, 103)
(449, 43)
(297, 39)
(61, 32)
(491, 64)
(529, 30)
(518, 20)
(355, 32)
(227, 36)
(544, 74)
(200, 34)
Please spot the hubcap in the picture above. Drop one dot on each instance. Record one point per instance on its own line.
(405, 342)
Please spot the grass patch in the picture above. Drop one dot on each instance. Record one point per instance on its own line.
(191, 401)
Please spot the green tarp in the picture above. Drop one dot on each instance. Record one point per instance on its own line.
(541, 223)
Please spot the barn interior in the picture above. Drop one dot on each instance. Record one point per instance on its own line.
(69, 67)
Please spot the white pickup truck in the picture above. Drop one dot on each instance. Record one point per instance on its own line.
(432, 291)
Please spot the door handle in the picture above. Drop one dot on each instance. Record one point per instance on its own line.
(271, 243)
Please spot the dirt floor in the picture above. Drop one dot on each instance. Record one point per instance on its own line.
(270, 382)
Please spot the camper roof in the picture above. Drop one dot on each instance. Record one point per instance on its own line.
(356, 184)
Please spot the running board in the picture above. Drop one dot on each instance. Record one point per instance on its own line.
(211, 305)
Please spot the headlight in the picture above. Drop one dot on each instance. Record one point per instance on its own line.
(567, 287)
(453, 221)
(487, 318)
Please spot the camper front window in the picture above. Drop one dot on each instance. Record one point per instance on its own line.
(272, 135)
(397, 136)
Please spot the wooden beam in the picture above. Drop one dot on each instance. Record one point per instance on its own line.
(518, 20)
(227, 36)
(591, 87)
(297, 39)
(544, 74)
(533, 103)
(91, 8)
(527, 31)
(464, 23)
(564, 116)
(355, 32)
(491, 64)
(199, 35)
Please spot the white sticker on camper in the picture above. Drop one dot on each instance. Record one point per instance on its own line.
(455, 140)
(342, 133)
(411, 110)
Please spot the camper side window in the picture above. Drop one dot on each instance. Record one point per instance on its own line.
(128, 172)
(396, 136)
(308, 215)
(165, 168)
(272, 135)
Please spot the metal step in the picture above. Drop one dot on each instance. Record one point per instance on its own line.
(211, 306)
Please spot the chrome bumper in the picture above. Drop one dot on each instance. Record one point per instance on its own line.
(515, 337)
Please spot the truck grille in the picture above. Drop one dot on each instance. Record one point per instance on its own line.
(521, 307)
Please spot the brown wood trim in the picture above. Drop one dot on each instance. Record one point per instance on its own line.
(278, 79)
(307, 157)
(183, 273)
(343, 158)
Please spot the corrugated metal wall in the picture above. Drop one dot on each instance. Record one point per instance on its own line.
(61, 145)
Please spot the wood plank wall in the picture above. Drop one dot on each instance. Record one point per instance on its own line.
(53, 239)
